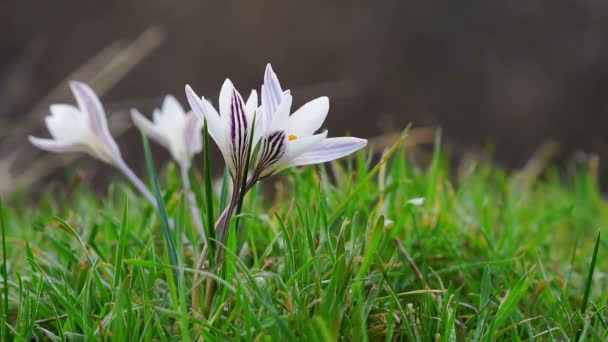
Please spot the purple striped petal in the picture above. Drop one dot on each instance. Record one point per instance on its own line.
(238, 134)
(272, 149)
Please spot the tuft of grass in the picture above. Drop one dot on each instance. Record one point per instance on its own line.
(323, 253)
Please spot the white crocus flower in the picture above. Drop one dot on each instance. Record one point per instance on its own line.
(230, 127)
(174, 129)
(290, 140)
(80, 129)
(85, 129)
(180, 133)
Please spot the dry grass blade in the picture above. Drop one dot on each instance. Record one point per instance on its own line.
(102, 72)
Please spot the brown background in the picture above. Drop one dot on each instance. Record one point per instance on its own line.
(508, 73)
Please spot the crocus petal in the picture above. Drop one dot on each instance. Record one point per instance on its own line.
(251, 105)
(225, 100)
(67, 124)
(271, 91)
(328, 150)
(205, 110)
(302, 145)
(149, 128)
(171, 105)
(238, 134)
(292, 150)
(192, 133)
(272, 149)
(309, 118)
(55, 146)
(89, 103)
(280, 118)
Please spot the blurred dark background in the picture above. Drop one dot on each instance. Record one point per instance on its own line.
(508, 74)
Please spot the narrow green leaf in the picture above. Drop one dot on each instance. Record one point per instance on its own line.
(208, 191)
(171, 251)
(3, 331)
(589, 281)
(122, 240)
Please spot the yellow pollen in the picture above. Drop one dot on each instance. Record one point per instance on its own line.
(292, 137)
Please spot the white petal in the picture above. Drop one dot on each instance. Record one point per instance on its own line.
(251, 105)
(299, 146)
(169, 123)
(418, 201)
(205, 110)
(55, 146)
(225, 98)
(192, 134)
(149, 128)
(280, 118)
(67, 124)
(89, 103)
(309, 118)
(328, 150)
(271, 91)
(172, 106)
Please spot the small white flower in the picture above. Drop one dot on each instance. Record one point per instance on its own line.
(230, 128)
(85, 129)
(418, 201)
(290, 140)
(82, 129)
(173, 128)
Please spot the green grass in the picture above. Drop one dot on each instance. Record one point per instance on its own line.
(485, 258)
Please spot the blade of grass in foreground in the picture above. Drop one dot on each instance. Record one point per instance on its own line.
(589, 281)
(3, 331)
(385, 158)
(208, 193)
(162, 211)
(122, 238)
(509, 304)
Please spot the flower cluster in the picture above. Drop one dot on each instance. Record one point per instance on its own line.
(257, 138)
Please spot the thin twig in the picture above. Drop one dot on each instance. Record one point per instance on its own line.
(102, 72)
(412, 263)
(196, 214)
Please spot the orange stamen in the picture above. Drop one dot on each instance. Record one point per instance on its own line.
(292, 137)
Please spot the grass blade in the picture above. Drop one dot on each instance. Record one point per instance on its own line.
(208, 191)
(589, 281)
(3, 331)
(122, 238)
(162, 211)
(340, 208)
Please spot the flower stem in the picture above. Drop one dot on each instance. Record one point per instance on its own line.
(126, 170)
(139, 184)
(196, 215)
(196, 290)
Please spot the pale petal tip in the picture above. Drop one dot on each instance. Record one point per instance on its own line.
(227, 83)
(41, 143)
(169, 97)
(418, 201)
(75, 85)
(136, 115)
(269, 69)
(359, 143)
